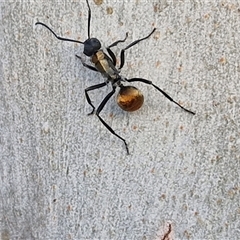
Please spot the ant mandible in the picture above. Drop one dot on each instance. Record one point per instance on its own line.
(129, 98)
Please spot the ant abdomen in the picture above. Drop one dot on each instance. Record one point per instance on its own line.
(129, 98)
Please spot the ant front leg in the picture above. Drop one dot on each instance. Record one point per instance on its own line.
(122, 56)
(99, 109)
(86, 65)
(90, 89)
(112, 55)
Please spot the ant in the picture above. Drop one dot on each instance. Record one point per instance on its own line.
(129, 98)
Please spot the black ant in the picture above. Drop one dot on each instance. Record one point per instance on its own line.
(129, 98)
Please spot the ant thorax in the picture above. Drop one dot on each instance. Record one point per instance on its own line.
(104, 65)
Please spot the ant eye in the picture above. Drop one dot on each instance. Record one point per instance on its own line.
(95, 43)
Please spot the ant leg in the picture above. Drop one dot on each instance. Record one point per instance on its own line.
(87, 96)
(160, 90)
(86, 65)
(112, 55)
(99, 109)
(132, 44)
(117, 42)
(59, 38)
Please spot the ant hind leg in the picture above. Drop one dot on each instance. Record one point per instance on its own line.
(160, 90)
(99, 109)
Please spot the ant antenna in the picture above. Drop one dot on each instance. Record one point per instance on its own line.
(60, 38)
(89, 18)
(69, 39)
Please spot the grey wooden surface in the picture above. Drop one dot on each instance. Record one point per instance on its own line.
(64, 176)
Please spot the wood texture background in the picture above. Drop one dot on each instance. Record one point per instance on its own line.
(64, 176)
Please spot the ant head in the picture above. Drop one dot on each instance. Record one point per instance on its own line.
(91, 45)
